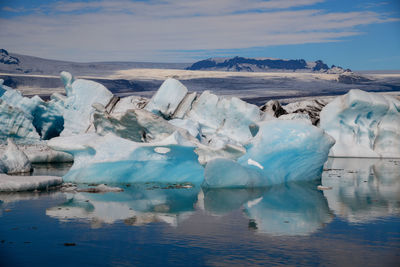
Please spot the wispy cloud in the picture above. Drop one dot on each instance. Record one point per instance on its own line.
(153, 30)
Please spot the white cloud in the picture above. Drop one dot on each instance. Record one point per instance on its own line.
(152, 31)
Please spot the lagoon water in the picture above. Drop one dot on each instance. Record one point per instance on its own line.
(355, 222)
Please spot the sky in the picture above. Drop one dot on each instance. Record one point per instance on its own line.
(356, 34)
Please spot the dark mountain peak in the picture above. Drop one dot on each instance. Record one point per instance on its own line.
(5, 58)
(260, 65)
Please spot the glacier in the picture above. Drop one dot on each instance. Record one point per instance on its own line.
(363, 125)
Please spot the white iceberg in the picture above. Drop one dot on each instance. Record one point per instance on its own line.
(27, 183)
(363, 125)
(167, 99)
(14, 160)
(81, 95)
(228, 117)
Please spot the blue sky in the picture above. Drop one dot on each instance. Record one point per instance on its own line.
(361, 35)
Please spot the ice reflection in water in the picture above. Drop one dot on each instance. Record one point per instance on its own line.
(137, 205)
(362, 189)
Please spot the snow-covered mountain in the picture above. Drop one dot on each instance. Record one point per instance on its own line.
(264, 65)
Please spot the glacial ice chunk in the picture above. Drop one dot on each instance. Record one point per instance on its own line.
(10, 183)
(16, 124)
(284, 151)
(229, 117)
(363, 125)
(81, 95)
(167, 99)
(109, 158)
(14, 160)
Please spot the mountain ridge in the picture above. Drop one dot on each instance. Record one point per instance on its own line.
(264, 65)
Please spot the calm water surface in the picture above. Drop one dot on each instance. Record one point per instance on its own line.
(355, 223)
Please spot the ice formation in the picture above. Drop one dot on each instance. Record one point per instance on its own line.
(29, 119)
(14, 160)
(178, 136)
(81, 94)
(167, 99)
(363, 125)
(282, 151)
(110, 158)
(27, 183)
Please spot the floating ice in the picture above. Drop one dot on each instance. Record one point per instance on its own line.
(14, 160)
(167, 99)
(110, 158)
(228, 117)
(81, 95)
(363, 125)
(284, 151)
(45, 117)
(27, 183)
(16, 124)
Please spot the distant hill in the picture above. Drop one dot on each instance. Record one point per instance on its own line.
(264, 65)
(23, 64)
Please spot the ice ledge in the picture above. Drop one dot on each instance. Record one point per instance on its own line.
(10, 183)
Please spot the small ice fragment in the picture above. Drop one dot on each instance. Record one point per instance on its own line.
(321, 187)
(162, 150)
(255, 163)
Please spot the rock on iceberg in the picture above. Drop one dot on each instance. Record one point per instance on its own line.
(282, 151)
(363, 125)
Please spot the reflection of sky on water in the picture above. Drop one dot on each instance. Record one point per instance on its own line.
(362, 190)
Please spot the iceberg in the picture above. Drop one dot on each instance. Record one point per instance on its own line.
(223, 116)
(282, 151)
(112, 159)
(10, 183)
(81, 95)
(16, 124)
(14, 160)
(46, 117)
(363, 125)
(167, 99)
